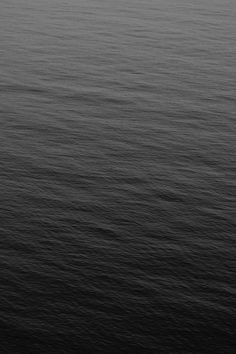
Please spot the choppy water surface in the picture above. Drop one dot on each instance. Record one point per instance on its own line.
(117, 179)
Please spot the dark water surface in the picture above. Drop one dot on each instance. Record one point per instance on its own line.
(117, 176)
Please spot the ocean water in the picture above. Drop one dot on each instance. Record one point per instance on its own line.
(117, 176)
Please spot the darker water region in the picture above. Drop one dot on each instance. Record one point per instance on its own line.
(117, 180)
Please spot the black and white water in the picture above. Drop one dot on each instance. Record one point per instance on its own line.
(117, 176)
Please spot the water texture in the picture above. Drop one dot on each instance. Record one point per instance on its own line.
(117, 176)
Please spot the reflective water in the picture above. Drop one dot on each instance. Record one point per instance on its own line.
(117, 178)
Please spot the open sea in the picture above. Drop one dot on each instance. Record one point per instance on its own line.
(117, 176)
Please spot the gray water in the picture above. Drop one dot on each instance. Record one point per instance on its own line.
(117, 176)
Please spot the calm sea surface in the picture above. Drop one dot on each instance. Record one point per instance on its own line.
(117, 176)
